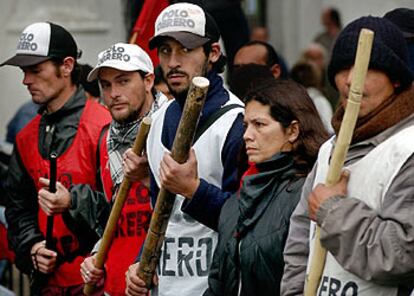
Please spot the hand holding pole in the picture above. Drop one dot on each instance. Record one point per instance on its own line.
(116, 210)
(165, 200)
(342, 143)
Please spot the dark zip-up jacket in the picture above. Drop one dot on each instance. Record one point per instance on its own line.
(56, 133)
(253, 228)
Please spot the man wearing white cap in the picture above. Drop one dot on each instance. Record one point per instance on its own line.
(126, 75)
(187, 41)
(69, 126)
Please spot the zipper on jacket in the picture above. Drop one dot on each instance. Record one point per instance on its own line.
(237, 236)
(50, 130)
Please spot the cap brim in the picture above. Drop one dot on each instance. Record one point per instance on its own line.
(21, 60)
(111, 64)
(187, 39)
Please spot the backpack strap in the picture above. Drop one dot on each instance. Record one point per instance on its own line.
(212, 118)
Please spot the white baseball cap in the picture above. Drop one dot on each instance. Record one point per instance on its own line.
(187, 23)
(124, 57)
(42, 41)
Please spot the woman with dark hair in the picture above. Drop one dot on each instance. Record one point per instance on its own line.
(282, 137)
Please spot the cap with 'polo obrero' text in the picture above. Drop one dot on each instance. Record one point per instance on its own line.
(187, 23)
(124, 57)
(40, 42)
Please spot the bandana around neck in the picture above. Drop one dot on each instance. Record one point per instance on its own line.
(120, 138)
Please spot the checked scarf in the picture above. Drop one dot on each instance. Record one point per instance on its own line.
(121, 136)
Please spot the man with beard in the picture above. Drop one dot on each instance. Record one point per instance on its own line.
(366, 220)
(126, 75)
(187, 41)
(69, 126)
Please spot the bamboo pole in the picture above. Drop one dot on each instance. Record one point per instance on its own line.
(341, 148)
(116, 210)
(133, 38)
(165, 200)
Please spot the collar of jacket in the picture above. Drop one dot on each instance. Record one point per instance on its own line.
(217, 95)
(76, 101)
(260, 189)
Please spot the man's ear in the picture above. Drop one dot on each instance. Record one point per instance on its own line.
(67, 66)
(149, 81)
(276, 71)
(214, 53)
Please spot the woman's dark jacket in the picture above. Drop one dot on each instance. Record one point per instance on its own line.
(253, 228)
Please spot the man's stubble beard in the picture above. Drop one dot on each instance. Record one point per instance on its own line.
(182, 95)
(133, 114)
(45, 100)
(130, 117)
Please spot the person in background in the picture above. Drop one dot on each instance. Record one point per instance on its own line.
(209, 176)
(283, 133)
(259, 33)
(403, 18)
(247, 77)
(69, 126)
(316, 54)
(366, 220)
(23, 116)
(307, 74)
(331, 21)
(91, 87)
(260, 53)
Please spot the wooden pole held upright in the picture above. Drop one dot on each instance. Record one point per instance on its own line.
(343, 141)
(116, 210)
(165, 200)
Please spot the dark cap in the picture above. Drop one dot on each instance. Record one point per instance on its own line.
(389, 50)
(40, 42)
(403, 18)
(187, 23)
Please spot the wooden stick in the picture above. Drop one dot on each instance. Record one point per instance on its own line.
(341, 148)
(133, 38)
(116, 210)
(165, 200)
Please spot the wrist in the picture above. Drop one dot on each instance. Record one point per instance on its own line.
(68, 201)
(326, 207)
(193, 188)
(36, 247)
